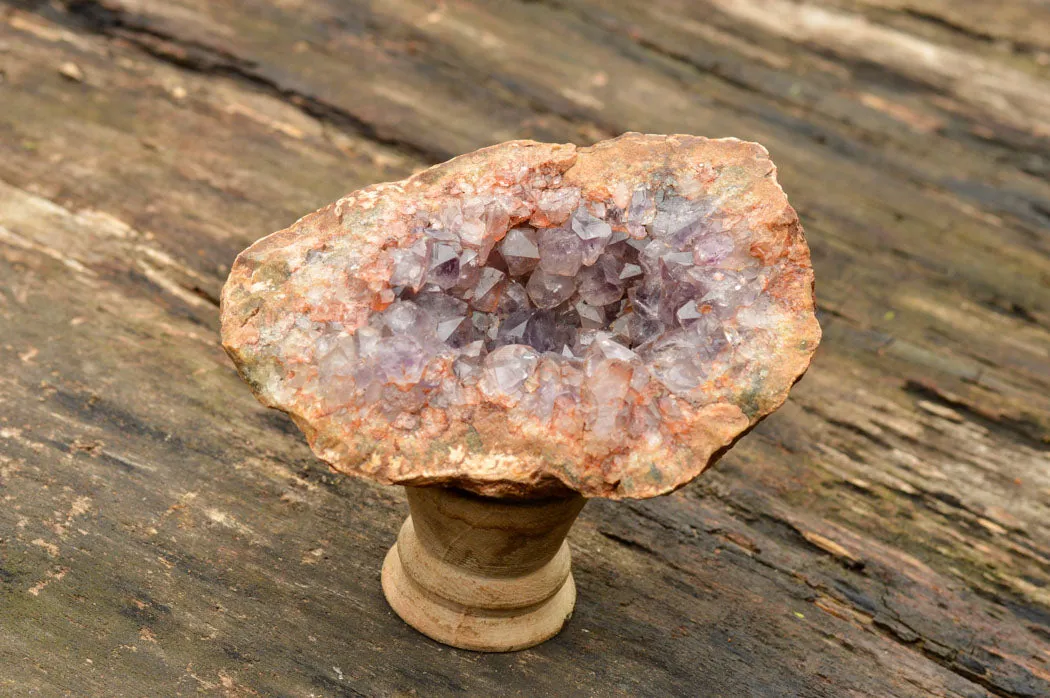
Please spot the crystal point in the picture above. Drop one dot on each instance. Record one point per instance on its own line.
(521, 251)
(548, 290)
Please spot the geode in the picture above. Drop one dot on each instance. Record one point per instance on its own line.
(533, 318)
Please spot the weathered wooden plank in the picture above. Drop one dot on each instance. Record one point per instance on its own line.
(1018, 27)
(939, 236)
(884, 534)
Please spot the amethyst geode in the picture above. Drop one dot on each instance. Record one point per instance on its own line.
(531, 318)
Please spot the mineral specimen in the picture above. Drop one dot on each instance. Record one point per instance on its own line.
(533, 318)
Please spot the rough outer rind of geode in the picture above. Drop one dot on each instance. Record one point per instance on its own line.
(532, 318)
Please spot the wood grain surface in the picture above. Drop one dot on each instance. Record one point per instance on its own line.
(887, 533)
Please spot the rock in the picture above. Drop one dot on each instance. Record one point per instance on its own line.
(605, 320)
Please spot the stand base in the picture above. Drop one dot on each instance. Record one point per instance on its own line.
(472, 573)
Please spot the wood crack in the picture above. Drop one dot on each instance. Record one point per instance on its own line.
(967, 32)
(1029, 431)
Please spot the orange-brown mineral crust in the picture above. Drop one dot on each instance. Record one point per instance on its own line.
(533, 318)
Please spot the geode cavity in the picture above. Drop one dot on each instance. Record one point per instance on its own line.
(533, 317)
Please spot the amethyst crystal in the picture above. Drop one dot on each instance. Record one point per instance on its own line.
(664, 291)
(604, 319)
(520, 250)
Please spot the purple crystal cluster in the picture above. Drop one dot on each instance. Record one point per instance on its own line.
(571, 322)
(535, 316)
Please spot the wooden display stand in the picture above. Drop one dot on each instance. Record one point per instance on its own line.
(481, 573)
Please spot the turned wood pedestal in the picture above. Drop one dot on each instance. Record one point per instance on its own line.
(480, 573)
